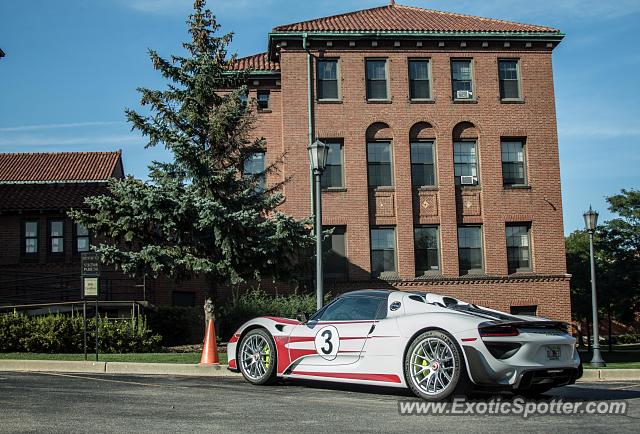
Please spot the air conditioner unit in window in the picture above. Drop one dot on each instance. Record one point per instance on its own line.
(463, 94)
(468, 180)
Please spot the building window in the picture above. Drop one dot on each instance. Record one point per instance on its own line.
(30, 238)
(426, 250)
(383, 250)
(82, 238)
(422, 164)
(465, 162)
(379, 164)
(525, 310)
(328, 79)
(470, 249)
(518, 248)
(332, 177)
(419, 81)
(376, 71)
(335, 254)
(513, 167)
(263, 99)
(56, 237)
(462, 79)
(254, 167)
(509, 74)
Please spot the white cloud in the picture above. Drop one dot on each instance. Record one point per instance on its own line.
(31, 141)
(57, 126)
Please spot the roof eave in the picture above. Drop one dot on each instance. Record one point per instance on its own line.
(537, 36)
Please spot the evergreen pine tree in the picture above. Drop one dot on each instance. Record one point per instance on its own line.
(198, 214)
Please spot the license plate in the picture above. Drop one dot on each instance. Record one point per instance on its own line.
(553, 352)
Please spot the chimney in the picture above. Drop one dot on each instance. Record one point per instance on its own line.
(392, 2)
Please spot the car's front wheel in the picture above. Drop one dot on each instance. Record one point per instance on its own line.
(257, 357)
(434, 366)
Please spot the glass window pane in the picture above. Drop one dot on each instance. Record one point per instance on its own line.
(352, 309)
(31, 229)
(328, 69)
(376, 74)
(426, 249)
(82, 244)
(328, 89)
(376, 69)
(377, 89)
(461, 69)
(379, 164)
(334, 248)
(383, 250)
(422, 164)
(31, 245)
(56, 229)
(81, 230)
(470, 248)
(263, 99)
(419, 69)
(465, 160)
(332, 176)
(513, 168)
(57, 245)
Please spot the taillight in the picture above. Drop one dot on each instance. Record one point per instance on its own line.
(498, 331)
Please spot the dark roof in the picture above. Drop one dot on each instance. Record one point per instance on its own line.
(256, 62)
(25, 197)
(46, 167)
(399, 18)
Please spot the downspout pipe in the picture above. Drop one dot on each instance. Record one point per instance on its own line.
(310, 117)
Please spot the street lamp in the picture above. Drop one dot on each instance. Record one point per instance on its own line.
(318, 157)
(590, 222)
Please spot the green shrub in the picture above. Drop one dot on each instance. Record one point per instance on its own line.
(256, 302)
(178, 325)
(58, 333)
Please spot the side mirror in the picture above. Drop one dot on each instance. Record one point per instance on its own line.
(302, 317)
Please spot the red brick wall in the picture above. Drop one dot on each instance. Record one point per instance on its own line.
(490, 203)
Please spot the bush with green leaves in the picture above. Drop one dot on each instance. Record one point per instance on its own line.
(256, 302)
(56, 333)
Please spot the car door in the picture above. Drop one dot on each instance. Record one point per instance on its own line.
(336, 335)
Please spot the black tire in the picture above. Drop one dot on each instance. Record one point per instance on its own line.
(261, 370)
(459, 383)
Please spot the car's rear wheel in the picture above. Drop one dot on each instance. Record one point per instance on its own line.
(434, 367)
(257, 357)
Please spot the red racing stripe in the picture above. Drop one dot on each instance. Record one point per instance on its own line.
(386, 378)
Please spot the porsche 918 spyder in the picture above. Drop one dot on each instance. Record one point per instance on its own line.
(435, 345)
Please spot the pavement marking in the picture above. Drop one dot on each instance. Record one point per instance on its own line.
(625, 387)
(101, 379)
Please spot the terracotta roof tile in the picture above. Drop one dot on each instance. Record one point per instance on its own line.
(257, 62)
(59, 167)
(399, 18)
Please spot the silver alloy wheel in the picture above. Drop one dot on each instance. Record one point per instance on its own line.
(255, 357)
(432, 365)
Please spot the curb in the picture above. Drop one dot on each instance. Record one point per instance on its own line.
(117, 368)
(610, 375)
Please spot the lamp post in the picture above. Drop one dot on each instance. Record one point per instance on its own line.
(318, 157)
(590, 222)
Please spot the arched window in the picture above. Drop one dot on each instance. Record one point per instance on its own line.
(423, 155)
(465, 154)
(379, 155)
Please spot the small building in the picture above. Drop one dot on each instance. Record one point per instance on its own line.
(40, 246)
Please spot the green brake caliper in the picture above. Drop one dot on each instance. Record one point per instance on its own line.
(267, 355)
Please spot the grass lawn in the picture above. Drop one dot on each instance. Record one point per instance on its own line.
(131, 357)
(616, 359)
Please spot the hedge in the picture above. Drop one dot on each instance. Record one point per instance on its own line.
(58, 333)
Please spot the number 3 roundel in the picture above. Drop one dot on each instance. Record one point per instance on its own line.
(327, 342)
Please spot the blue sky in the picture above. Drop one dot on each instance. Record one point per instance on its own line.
(72, 66)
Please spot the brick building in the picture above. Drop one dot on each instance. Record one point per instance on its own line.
(40, 246)
(443, 170)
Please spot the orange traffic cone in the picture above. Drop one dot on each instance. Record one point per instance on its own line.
(210, 348)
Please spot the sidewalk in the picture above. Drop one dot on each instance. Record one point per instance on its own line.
(589, 375)
(117, 368)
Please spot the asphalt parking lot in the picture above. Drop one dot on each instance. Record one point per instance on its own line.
(44, 402)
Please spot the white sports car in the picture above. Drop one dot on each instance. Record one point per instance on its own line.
(435, 345)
